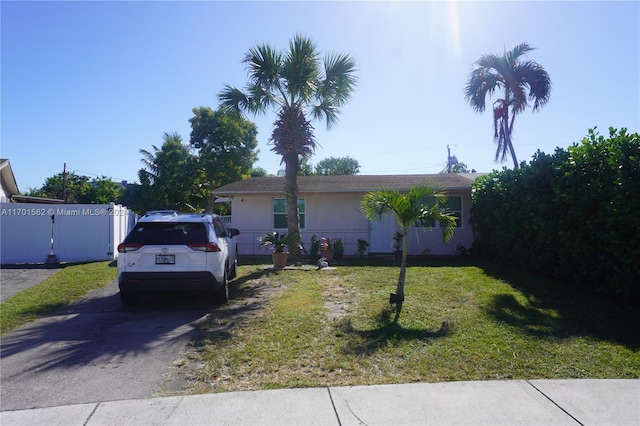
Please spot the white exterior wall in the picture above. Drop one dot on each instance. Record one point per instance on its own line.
(81, 232)
(336, 215)
(4, 195)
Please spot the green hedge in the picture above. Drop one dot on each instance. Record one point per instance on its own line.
(574, 215)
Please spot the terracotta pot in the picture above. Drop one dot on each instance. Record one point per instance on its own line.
(279, 259)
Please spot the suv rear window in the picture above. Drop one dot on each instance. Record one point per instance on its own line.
(168, 233)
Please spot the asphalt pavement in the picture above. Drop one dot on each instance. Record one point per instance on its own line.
(14, 279)
(518, 402)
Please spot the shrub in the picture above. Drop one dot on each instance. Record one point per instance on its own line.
(574, 214)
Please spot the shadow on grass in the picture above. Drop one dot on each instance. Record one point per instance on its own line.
(388, 333)
(247, 295)
(552, 309)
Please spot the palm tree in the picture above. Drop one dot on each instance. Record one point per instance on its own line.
(296, 85)
(515, 78)
(422, 203)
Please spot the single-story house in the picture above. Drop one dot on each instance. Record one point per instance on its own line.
(329, 206)
(9, 192)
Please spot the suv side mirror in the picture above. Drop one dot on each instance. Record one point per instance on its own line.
(234, 232)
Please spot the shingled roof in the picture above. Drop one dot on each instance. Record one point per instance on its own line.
(347, 183)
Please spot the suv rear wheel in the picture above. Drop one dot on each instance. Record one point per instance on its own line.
(222, 295)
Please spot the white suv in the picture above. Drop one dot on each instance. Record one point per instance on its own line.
(167, 250)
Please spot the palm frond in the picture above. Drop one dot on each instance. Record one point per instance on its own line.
(339, 78)
(260, 99)
(482, 82)
(326, 111)
(264, 65)
(513, 55)
(149, 161)
(539, 82)
(378, 203)
(300, 70)
(232, 99)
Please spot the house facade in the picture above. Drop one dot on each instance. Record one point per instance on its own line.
(329, 206)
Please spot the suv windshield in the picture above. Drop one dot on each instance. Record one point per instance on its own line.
(168, 233)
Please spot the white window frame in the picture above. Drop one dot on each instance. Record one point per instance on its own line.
(302, 215)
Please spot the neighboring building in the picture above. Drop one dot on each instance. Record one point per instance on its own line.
(330, 206)
(8, 184)
(9, 188)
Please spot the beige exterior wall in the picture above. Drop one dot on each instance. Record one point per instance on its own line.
(336, 215)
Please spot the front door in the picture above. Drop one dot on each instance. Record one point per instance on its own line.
(381, 234)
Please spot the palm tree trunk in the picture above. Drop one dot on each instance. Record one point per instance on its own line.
(401, 277)
(508, 137)
(508, 128)
(291, 195)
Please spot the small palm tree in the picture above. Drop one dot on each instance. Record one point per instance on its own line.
(422, 203)
(296, 84)
(514, 78)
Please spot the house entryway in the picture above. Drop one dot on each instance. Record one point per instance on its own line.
(381, 234)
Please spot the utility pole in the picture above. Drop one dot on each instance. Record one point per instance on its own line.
(451, 160)
(64, 183)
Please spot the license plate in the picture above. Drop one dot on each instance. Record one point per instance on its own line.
(165, 259)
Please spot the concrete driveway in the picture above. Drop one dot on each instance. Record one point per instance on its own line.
(14, 279)
(96, 350)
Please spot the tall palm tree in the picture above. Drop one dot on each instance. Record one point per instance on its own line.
(514, 77)
(296, 85)
(422, 203)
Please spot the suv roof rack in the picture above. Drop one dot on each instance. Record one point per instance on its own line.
(152, 212)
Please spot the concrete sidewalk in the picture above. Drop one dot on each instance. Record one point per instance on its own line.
(518, 402)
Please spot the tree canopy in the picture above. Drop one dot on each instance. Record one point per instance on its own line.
(179, 176)
(79, 189)
(338, 166)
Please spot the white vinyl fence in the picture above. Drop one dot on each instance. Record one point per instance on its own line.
(29, 233)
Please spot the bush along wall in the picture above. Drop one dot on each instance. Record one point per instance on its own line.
(574, 215)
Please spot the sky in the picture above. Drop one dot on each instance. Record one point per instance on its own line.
(90, 84)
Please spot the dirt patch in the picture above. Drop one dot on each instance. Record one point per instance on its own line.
(337, 298)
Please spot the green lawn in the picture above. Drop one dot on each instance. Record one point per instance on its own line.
(64, 287)
(459, 322)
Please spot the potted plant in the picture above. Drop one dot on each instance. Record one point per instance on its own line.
(326, 248)
(278, 242)
(362, 247)
(338, 249)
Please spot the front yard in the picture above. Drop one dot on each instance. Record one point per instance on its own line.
(307, 328)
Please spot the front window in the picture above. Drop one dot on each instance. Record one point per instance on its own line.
(452, 206)
(280, 213)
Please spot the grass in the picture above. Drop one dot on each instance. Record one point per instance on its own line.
(58, 290)
(307, 328)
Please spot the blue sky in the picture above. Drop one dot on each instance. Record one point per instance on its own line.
(92, 83)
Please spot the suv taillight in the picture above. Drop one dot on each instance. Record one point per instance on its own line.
(204, 247)
(123, 248)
